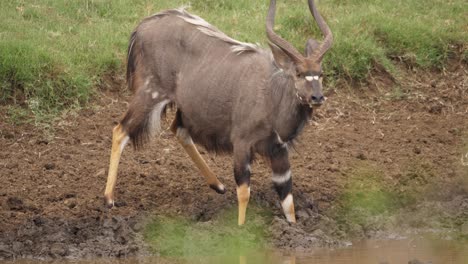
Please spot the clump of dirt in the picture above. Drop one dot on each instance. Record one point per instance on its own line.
(52, 182)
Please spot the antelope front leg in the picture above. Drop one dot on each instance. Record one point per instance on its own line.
(187, 143)
(242, 159)
(119, 140)
(282, 180)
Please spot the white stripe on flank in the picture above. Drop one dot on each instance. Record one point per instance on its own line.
(147, 82)
(123, 143)
(155, 117)
(281, 178)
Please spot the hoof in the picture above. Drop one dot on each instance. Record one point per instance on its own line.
(108, 202)
(218, 188)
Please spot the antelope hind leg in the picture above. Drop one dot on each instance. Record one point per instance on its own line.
(187, 143)
(119, 140)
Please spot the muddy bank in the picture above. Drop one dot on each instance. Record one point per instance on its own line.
(52, 181)
(76, 238)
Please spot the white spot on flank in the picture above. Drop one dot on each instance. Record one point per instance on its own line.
(288, 208)
(281, 178)
(154, 95)
(277, 72)
(183, 135)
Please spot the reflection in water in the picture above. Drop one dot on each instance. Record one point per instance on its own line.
(366, 252)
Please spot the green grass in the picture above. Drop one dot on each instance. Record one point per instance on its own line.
(220, 237)
(366, 201)
(53, 53)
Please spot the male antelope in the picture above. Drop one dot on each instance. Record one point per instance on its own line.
(230, 96)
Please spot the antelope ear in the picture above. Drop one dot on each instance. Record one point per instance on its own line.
(311, 45)
(281, 58)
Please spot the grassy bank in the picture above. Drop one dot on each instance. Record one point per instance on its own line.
(53, 53)
(219, 237)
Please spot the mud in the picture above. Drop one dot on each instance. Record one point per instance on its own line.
(52, 181)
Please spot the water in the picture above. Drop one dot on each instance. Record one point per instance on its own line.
(424, 250)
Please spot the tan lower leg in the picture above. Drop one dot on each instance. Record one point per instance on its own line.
(186, 141)
(243, 196)
(290, 260)
(242, 260)
(288, 208)
(119, 140)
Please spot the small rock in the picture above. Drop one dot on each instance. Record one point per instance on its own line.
(69, 195)
(333, 168)
(42, 142)
(8, 135)
(143, 161)
(435, 109)
(302, 214)
(38, 221)
(120, 203)
(15, 204)
(417, 150)
(58, 250)
(49, 166)
(137, 226)
(71, 204)
(361, 156)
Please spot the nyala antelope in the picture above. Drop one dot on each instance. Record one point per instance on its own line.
(229, 96)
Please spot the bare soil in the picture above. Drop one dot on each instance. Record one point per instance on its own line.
(51, 182)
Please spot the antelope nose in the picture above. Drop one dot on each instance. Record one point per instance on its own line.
(317, 99)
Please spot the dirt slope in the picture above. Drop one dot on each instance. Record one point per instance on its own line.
(52, 183)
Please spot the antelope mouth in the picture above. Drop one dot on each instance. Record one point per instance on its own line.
(315, 104)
